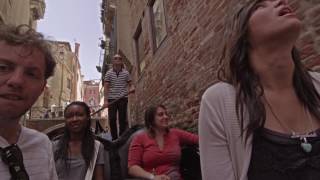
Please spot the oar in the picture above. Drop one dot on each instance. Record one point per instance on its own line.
(112, 102)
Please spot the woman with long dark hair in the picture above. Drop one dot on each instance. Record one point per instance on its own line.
(77, 155)
(155, 153)
(262, 120)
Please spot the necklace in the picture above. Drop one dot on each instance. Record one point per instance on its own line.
(305, 145)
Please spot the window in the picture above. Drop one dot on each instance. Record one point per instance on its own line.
(158, 22)
(68, 83)
(61, 55)
(91, 102)
(139, 44)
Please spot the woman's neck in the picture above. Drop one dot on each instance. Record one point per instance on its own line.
(160, 132)
(274, 66)
(76, 136)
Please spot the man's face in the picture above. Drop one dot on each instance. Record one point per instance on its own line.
(21, 79)
(117, 62)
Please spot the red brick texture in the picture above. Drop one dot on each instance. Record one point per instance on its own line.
(184, 65)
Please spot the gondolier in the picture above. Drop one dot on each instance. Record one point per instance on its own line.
(117, 84)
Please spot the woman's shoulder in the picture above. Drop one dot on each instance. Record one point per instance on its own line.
(316, 79)
(55, 142)
(176, 131)
(55, 145)
(219, 93)
(219, 89)
(143, 135)
(315, 75)
(179, 132)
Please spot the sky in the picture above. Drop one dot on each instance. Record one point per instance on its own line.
(76, 21)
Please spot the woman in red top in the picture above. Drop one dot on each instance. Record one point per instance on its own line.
(155, 153)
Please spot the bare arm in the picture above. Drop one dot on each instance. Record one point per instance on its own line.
(131, 88)
(187, 137)
(135, 160)
(137, 171)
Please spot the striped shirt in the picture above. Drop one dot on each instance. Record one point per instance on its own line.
(118, 83)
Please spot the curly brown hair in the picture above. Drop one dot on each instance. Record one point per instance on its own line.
(26, 36)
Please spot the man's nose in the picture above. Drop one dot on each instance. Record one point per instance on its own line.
(16, 79)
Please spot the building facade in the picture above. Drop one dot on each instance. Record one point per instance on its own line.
(78, 77)
(64, 86)
(22, 12)
(109, 42)
(92, 94)
(173, 46)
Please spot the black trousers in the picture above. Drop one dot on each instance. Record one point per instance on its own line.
(118, 109)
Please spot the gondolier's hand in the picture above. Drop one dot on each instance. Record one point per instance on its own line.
(132, 90)
(105, 104)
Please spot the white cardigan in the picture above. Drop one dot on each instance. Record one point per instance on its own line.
(224, 153)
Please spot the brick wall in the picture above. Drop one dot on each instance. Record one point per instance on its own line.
(309, 43)
(184, 65)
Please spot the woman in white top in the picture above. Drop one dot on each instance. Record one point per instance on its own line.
(261, 121)
(77, 155)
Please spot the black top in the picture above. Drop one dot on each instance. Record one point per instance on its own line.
(276, 156)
